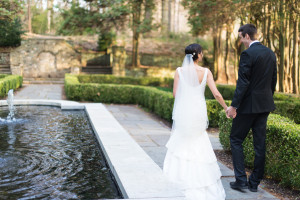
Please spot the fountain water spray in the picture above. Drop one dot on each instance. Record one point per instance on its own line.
(10, 102)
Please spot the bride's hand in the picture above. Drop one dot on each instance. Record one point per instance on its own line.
(226, 111)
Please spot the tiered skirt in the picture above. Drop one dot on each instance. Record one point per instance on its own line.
(191, 163)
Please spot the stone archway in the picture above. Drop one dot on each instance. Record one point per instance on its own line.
(44, 58)
(46, 64)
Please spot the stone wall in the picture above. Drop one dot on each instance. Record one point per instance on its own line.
(44, 58)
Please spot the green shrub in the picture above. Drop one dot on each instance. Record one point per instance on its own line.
(2, 76)
(155, 100)
(105, 40)
(9, 82)
(282, 148)
(213, 110)
(145, 81)
(290, 109)
(10, 33)
(285, 97)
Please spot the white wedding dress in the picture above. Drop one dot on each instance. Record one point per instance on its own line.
(190, 160)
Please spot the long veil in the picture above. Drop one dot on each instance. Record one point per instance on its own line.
(188, 71)
(189, 110)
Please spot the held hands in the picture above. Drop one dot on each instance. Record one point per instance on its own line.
(231, 112)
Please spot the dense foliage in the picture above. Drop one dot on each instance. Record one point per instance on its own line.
(282, 154)
(76, 21)
(105, 40)
(10, 33)
(278, 28)
(10, 25)
(9, 9)
(8, 82)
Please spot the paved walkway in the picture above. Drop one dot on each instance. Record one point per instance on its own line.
(148, 131)
(39, 91)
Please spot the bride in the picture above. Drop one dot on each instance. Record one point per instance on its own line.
(190, 160)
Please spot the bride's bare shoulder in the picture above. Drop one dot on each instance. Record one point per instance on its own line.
(199, 68)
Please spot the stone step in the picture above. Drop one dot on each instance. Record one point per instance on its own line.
(43, 81)
(95, 72)
(5, 69)
(4, 66)
(96, 67)
(5, 72)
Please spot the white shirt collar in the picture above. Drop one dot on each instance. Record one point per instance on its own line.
(253, 42)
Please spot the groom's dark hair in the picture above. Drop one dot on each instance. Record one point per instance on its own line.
(250, 29)
(194, 49)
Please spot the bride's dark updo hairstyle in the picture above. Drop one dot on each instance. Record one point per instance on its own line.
(193, 49)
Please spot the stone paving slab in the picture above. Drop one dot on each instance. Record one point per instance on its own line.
(38, 91)
(244, 194)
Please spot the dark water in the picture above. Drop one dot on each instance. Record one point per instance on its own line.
(52, 154)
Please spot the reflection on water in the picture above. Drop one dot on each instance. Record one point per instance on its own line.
(50, 154)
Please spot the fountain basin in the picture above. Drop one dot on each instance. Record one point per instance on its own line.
(52, 154)
(137, 175)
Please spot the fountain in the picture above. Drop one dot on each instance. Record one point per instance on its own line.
(10, 102)
(48, 153)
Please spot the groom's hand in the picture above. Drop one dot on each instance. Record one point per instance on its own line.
(231, 112)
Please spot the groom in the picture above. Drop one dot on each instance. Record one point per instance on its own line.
(251, 105)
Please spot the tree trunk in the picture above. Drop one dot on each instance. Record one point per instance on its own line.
(295, 70)
(137, 8)
(164, 17)
(268, 26)
(29, 16)
(148, 16)
(49, 14)
(287, 56)
(226, 58)
(169, 16)
(281, 47)
(215, 55)
(176, 16)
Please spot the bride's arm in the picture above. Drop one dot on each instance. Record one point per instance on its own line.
(175, 84)
(212, 86)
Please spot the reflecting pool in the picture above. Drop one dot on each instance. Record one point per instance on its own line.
(48, 153)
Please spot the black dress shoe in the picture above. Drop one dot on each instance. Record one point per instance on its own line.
(252, 188)
(238, 186)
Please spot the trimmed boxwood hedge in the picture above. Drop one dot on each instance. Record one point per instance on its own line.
(226, 90)
(155, 100)
(8, 82)
(286, 105)
(145, 81)
(282, 148)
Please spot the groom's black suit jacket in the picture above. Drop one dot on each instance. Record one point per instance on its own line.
(256, 80)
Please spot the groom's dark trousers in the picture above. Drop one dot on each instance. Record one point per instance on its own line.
(253, 99)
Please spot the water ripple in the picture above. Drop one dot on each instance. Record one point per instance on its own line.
(51, 155)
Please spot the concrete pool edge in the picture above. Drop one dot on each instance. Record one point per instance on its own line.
(64, 105)
(137, 175)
